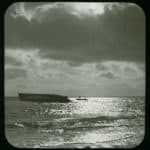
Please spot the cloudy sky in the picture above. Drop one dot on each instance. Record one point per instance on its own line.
(92, 49)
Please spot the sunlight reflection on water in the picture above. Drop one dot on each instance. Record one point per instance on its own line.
(99, 122)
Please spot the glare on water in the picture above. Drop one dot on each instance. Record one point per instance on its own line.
(96, 122)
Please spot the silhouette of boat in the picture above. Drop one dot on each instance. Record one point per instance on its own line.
(43, 97)
(81, 98)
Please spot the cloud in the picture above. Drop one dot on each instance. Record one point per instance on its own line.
(13, 61)
(116, 34)
(32, 11)
(74, 63)
(128, 69)
(101, 67)
(13, 73)
(73, 48)
(121, 69)
(108, 75)
(38, 67)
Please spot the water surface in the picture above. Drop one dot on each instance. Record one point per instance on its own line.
(98, 122)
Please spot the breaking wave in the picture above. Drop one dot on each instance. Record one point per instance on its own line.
(72, 123)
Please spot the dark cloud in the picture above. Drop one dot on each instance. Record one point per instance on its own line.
(108, 75)
(13, 73)
(107, 67)
(142, 67)
(130, 70)
(101, 67)
(118, 34)
(13, 61)
(74, 63)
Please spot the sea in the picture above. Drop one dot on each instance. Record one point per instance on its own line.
(99, 122)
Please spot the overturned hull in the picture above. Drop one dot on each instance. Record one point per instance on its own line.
(43, 98)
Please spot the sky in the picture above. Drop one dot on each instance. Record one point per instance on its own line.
(86, 49)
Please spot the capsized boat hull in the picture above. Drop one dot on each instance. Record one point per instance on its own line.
(43, 97)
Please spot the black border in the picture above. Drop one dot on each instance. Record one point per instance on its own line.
(4, 4)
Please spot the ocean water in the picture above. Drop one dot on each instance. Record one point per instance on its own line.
(97, 122)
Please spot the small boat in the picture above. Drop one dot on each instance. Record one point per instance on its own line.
(81, 98)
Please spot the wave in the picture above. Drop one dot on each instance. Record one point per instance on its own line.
(73, 123)
(101, 118)
(15, 125)
(66, 127)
